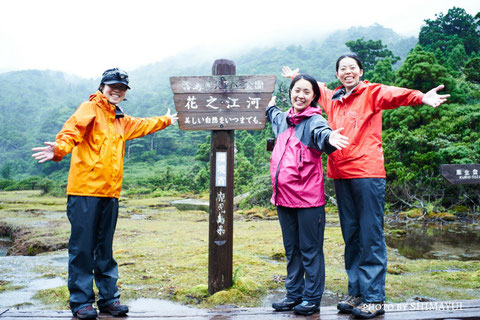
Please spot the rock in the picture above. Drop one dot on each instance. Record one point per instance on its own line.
(239, 198)
(191, 204)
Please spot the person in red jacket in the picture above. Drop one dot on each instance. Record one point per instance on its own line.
(302, 135)
(359, 176)
(95, 135)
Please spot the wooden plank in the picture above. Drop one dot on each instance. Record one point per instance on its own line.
(226, 121)
(469, 309)
(222, 83)
(222, 102)
(461, 173)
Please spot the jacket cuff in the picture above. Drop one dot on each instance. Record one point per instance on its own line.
(328, 147)
(56, 153)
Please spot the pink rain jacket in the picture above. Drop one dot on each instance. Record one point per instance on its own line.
(296, 165)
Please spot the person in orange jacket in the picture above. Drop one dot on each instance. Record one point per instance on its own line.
(359, 176)
(95, 135)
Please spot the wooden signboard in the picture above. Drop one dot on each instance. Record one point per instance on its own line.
(461, 173)
(222, 102)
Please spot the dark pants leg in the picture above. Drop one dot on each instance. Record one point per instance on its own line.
(93, 221)
(302, 231)
(361, 209)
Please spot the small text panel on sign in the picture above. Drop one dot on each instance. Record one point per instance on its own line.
(461, 173)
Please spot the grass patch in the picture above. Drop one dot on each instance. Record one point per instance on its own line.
(7, 286)
(56, 298)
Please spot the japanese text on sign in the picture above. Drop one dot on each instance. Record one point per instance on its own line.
(467, 174)
(221, 213)
(221, 170)
(221, 83)
(228, 103)
(222, 120)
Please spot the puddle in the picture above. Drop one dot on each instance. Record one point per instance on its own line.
(26, 272)
(168, 308)
(328, 298)
(445, 242)
(5, 243)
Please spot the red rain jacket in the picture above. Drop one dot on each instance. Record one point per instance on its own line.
(360, 114)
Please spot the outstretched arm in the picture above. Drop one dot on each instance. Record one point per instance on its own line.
(432, 98)
(44, 153)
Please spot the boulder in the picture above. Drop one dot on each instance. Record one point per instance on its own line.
(191, 204)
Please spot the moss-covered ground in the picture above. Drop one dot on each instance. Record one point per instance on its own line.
(163, 253)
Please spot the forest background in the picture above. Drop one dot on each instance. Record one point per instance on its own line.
(416, 140)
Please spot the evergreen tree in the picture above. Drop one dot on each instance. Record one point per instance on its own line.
(421, 71)
(446, 31)
(383, 72)
(369, 52)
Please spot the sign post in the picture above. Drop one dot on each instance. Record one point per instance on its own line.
(221, 103)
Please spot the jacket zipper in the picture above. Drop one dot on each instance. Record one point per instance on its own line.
(278, 167)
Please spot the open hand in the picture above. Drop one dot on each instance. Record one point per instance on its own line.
(432, 98)
(289, 73)
(173, 117)
(338, 140)
(44, 153)
(272, 101)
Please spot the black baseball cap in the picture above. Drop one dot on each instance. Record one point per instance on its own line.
(115, 75)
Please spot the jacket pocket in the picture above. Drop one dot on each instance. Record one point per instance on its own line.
(350, 125)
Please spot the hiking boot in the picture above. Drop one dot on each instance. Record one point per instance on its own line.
(87, 312)
(285, 305)
(115, 309)
(368, 310)
(347, 304)
(307, 308)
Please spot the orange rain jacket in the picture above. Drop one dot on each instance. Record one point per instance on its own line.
(360, 114)
(97, 142)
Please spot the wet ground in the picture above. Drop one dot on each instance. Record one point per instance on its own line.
(4, 244)
(28, 274)
(454, 241)
(32, 273)
(25, 275)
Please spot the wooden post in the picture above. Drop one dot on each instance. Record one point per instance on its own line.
(221, 199)
(222, 103)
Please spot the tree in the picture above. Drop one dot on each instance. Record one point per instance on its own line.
(438, 33)
(383, 72)
(421, 71)
(457, 58)
(472, 70)
(369, 52)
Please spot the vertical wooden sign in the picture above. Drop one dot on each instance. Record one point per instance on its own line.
(220, 241)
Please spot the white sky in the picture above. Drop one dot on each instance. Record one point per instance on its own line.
(88, 36)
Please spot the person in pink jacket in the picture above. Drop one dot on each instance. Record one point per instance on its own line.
(359, 176)
(302, 135)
